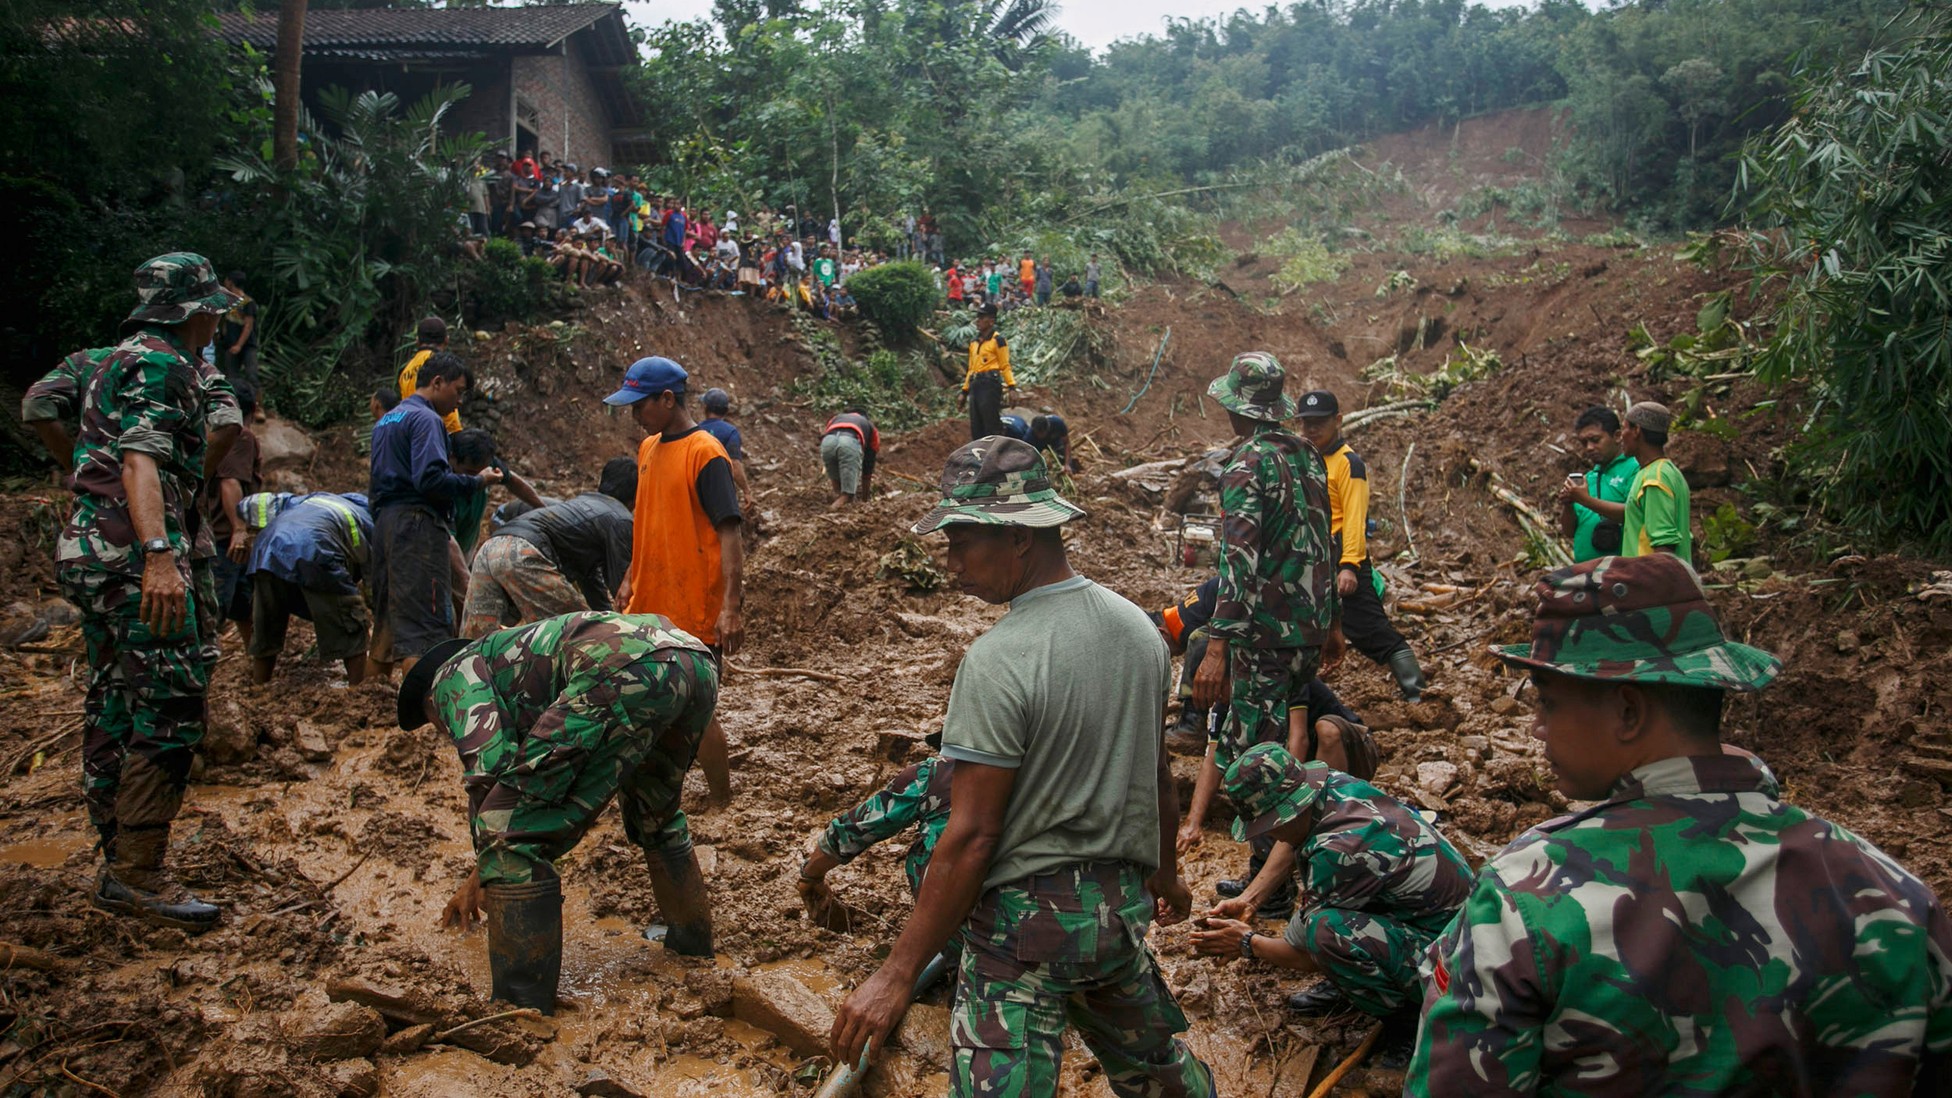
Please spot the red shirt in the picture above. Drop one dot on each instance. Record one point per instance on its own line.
(955, 284)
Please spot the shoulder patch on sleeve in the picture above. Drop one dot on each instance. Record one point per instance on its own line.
(1000, 341)
(1357, 470)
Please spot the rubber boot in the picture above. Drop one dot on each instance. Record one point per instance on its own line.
(525, 942)
(1187, 736)
(679, 889)
(1409, 677)
(134, 880)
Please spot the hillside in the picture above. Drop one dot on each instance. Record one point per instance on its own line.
(324, 790)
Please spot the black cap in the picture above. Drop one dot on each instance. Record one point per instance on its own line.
(716, 400)
(987, 308)
(411, 704)
(1316, 404)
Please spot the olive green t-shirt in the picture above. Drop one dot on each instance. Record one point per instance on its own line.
(1657, 512)
(1069, 690)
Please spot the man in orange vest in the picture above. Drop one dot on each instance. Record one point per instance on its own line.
(687, 562)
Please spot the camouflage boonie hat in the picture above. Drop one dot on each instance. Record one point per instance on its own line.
(1252, 387)
(175, 287)
(1636, 619)
(997, 481)
(1269, 788)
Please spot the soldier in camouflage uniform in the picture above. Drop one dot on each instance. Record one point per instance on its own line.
(1058, 853)
(1276, 618)
(1689, 933)
(552, 720)
(125, 560)
(52, 408)
(1378, 884)
(918, 796)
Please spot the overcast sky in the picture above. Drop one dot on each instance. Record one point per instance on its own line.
(1096, 23)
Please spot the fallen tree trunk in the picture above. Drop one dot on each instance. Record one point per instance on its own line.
(1536, 525)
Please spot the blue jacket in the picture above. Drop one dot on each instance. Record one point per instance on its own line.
(410, 461)
(320, 542)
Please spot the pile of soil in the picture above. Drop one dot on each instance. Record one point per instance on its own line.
(333, 840)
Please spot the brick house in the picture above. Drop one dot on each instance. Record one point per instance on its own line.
(547, 77)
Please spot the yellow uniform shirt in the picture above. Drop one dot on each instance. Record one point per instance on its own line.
(410, 383)
(1348, 498)
(986, 355)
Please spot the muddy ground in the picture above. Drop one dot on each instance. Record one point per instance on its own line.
(333, 840)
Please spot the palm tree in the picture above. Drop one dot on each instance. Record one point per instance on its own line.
(284, 103)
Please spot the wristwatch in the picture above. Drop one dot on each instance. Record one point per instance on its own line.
(1247, 945)
(156, 545)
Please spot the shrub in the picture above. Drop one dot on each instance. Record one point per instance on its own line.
(896, 296)
(506, 285)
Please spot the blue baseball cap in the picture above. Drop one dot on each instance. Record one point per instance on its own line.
(649, 377)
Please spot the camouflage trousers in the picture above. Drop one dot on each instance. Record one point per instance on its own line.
(512, 582)
(145, 691)
(1067, 948)
(1267, 682)
(633, 743)
(1371, 958)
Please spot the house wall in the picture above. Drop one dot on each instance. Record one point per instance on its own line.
(570, 119)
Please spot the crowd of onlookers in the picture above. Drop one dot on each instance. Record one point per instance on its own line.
(596, 225)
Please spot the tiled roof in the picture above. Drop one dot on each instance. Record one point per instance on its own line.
(385, 32)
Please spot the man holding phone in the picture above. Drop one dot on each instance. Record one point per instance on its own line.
(1593, 505)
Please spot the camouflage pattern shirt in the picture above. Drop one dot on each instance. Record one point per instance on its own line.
(59, 392)
(496, 695)
(1370, 852)
(1689, 935)
(1277, 562)
(918, 795)
(148, 395)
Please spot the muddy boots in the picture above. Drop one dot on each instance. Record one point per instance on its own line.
(1187, 736)
(134, 881)
(679, 889)
(525, 942)
(1409, 677)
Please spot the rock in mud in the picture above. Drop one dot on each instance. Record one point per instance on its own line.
(408, 1006)
(408, 1040)
(498, 1043)
(1436, 778)
(341, 1031)
(924, 1032)
(311, 743)
(229, 737)
(713, 988)
(601, 1084)
(782, 1006)
(281, 445)
(356, 1078)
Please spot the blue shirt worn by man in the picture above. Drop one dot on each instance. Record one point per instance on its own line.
(1016, 427)
(409, 463)
(320, 542)
(727, 436)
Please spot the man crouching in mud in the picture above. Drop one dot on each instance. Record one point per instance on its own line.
(552, 720)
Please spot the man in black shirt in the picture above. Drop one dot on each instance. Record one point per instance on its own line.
(555, 560)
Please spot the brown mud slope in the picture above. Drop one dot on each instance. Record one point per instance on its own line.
(333, 840)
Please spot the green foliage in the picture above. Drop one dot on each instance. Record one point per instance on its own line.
(113, 109)
(1306, 260)
(1043, 342)
(1724, 534)
(346, 248)
(896, 296)
(1719, 344)
(506, 285)
(898, 391)
(1854, 230)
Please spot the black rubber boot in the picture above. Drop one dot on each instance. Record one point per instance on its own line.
(136, 883)
(679, 889)
(525, 942)
(1322, 998)
(1409, 677)
(1187, 736)
(1228, 889)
